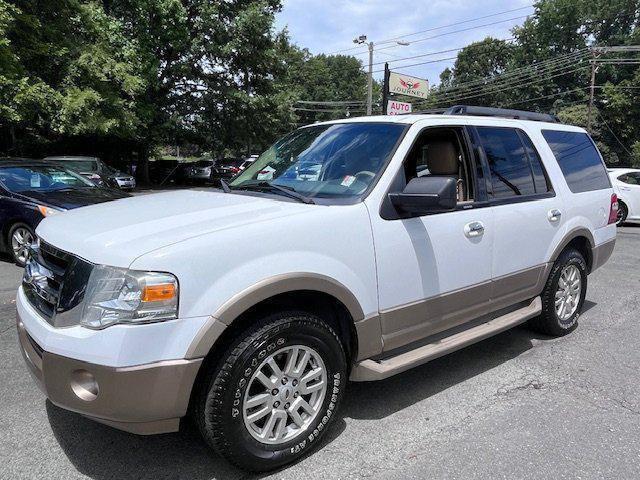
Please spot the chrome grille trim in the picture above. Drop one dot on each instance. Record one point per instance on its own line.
(54, 282)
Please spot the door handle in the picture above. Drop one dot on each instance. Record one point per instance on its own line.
(474, 229)
(554, 215)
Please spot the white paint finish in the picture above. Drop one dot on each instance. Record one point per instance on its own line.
(628, 193)
(420, 258)
(116, 346)
(116, 233)
(334, 241)
(219, 245)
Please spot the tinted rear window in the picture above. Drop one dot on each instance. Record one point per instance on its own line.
(579, 160)
(509, 164)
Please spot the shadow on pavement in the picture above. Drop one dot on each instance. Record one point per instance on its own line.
(102, 452)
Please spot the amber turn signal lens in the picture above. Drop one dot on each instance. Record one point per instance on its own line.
(158, 293)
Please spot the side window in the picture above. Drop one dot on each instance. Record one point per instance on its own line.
(511, 173)
(630, 178)
(539, 178)
(442, 152)
(579, 160)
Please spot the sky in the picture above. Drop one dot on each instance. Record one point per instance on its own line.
(329, 26)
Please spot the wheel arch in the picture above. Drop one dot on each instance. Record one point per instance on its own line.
(582, 240)
(313, 293)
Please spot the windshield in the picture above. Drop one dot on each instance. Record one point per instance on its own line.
(327, 161)
(41, 178)
(83, 166)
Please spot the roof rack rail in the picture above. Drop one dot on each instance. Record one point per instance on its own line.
(494, 112)
(501, 112)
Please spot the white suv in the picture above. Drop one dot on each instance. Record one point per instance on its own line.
(250, 307)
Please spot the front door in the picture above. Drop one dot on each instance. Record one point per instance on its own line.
(434, 271)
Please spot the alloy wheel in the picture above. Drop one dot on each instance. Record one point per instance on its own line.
(285, 395)
(568, 292)
(21, 239)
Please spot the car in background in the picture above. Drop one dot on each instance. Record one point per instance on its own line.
(97, 171)
(248, 161)
(33, 189)
(200, 171)
(226, 168)
(626, 183)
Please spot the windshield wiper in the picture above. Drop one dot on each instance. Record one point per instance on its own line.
(275, 188)
(225, 186)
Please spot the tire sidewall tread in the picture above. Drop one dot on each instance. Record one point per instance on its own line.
(218, 409)
(548, 322)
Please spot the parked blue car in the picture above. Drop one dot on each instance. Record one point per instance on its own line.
(31, 190)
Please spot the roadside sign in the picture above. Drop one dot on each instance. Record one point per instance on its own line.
(406, 85)
(397, 108)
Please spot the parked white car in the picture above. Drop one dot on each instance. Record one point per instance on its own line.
(251, 307)
(626, 184)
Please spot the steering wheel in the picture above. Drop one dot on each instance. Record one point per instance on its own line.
(364, 175)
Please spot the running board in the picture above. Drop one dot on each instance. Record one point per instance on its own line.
(369, 370)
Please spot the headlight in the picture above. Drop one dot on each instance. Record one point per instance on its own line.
(116, 295)
(47, 211)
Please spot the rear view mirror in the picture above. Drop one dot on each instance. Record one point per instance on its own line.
(425, 195)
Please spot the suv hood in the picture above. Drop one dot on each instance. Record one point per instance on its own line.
(117, 233)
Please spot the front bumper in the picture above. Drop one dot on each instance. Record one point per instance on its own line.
(144, 399)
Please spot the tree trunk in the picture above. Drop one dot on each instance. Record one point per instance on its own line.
(142, 165)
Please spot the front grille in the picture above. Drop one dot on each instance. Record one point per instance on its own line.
(54, 282)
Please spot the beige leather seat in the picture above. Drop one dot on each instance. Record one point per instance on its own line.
(442, 160)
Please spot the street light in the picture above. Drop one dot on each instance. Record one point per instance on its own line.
(362, 39)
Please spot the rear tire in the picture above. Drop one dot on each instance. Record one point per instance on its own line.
(623, 211)
(563, 295)
(261, 417)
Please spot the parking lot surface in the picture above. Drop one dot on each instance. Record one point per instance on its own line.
(519, 405)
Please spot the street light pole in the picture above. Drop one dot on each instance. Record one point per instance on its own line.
(362, 39)
(370, 80)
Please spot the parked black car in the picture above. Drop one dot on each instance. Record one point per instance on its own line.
(97, 171)
(33, 189)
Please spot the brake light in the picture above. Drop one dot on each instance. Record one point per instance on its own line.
(613, 212)
(234, 169)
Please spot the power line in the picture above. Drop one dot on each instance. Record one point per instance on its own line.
(432, 53)
(497, 88)
(452, 32)
(543, 97)
(516, 72)
(508, 81)
(463, 22)
(614, 135)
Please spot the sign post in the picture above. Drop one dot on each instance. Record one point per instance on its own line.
(385, 89)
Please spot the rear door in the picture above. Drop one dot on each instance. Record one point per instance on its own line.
(527, 213)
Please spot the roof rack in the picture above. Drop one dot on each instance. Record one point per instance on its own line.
(494, 112)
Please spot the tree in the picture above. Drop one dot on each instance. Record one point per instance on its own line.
(68, 71)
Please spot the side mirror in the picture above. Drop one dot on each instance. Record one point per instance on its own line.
(424, 195)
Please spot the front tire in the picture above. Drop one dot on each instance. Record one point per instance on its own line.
(19, 238)
(274, 393)
(623, 211)
(563, 295)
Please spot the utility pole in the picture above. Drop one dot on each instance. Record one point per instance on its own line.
(362, 39)
(592, 89)
(370, 80)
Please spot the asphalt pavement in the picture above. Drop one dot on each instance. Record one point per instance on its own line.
(519, 405)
